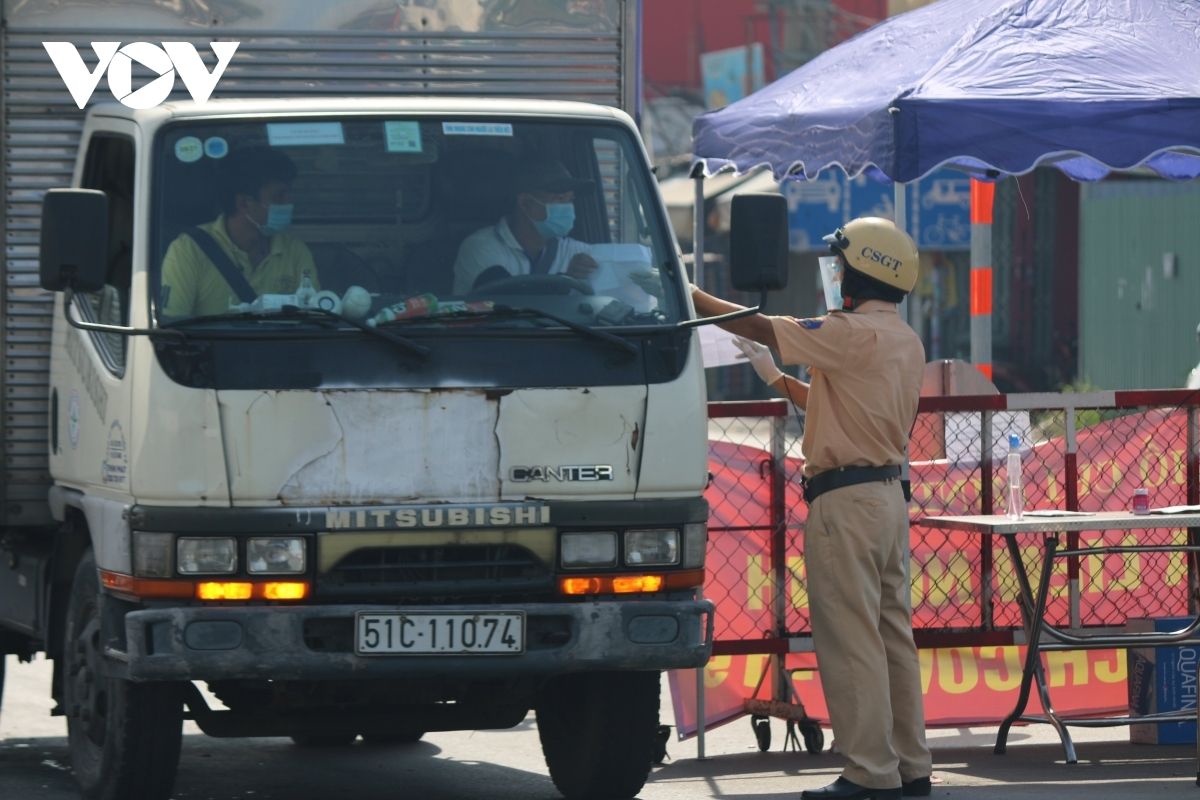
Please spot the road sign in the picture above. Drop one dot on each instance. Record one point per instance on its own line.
(938, 208)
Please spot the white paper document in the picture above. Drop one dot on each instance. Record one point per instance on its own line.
(717, 348)
(616, 263)
(1176, 510)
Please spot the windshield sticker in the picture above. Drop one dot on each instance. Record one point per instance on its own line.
(189, 149)
(216, 147)
(402, 137)
(298, 134)
(73, 419)
(115, 468)
(477, 129)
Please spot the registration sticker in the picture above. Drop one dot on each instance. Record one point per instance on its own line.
(402, 137)
(295, 134)
(477, 129)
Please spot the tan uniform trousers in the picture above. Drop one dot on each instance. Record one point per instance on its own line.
(857, 553)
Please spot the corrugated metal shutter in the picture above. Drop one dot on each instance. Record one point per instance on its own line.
(41, 128)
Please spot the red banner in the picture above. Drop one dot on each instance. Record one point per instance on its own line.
(1115, 457)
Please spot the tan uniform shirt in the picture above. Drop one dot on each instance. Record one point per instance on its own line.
(193, 286)
(866, 380)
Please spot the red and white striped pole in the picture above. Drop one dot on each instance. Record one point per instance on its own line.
(982, 195)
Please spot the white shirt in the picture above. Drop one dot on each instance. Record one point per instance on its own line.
(495, 246)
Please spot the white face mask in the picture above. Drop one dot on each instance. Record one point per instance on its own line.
(831, 281)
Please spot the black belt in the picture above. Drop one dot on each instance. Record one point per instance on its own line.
(832, 479)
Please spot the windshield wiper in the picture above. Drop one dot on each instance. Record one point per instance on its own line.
(511, 312)
(318, 315)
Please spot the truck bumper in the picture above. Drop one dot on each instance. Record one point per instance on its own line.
(317, 642)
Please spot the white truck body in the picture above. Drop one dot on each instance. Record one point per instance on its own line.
(528, 452)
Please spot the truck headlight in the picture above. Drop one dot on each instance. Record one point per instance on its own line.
(589, 549)
(653, 547)
(206, 556)
(275, 555)
(695, 544)
(152, 555)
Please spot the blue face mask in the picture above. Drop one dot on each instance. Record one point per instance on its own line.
(279, 217)
(560, 219)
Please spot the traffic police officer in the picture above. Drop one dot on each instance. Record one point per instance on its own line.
(866, 365)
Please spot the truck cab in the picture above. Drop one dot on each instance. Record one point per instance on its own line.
(346, 425)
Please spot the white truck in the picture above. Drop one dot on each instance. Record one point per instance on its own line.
(366, 496)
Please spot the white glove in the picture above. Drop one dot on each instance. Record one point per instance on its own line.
(759, 356)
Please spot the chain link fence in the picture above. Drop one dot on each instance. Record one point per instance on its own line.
(1078, 452)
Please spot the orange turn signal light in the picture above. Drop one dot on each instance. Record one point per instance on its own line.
(247, 590)
(224, 590)
(285, 590)
(630, 584)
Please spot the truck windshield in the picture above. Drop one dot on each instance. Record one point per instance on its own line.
(426, 222)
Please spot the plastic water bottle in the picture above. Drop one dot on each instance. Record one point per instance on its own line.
(1016, 500)
(307, 292)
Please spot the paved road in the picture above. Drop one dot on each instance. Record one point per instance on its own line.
(507, 765)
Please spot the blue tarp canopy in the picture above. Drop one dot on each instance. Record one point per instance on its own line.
(995, 87)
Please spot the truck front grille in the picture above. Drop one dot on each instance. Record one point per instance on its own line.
(423, 571)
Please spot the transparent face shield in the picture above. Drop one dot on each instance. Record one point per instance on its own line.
(831, 281)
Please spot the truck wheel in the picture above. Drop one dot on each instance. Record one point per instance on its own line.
(598, 732)
(124, 737)
(324, 739)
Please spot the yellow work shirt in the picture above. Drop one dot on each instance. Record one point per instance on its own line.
(866, 370)
(193, 286)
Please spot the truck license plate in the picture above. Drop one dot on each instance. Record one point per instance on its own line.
(426, 633)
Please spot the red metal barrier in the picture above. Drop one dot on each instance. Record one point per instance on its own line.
(1081, 452)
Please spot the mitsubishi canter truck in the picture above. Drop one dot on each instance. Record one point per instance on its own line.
(309, 429)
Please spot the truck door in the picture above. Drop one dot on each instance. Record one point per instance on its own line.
(90, 389)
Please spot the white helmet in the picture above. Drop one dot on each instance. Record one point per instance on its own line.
(876, 248)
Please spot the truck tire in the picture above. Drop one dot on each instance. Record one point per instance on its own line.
(598, 732)
(124, 737)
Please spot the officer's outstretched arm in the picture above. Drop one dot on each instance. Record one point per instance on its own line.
(756, 327)
(763, 362)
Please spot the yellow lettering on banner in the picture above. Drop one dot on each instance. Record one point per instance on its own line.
(1153, 456)
(797, 586)
(716, 671)
(1111, 669)
(926, 659)
(1061, 587)
(758, 583)
(756, 663)
(1054, 491)
(941, 579)
(1004, 675)
(1131, 578)
(948, 672)
(1176, 565)
(1057, 663)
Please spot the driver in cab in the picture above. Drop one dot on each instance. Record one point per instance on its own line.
(531, 239)
(245, 247)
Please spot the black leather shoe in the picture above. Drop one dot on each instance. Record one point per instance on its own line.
(918, 787)
(842, 789)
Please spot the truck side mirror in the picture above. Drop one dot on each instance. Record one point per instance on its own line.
(758, 246)
(74, 246)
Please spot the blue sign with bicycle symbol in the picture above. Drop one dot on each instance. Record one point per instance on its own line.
(939, 208)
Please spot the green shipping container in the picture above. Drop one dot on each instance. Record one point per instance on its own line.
(1139, 283)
